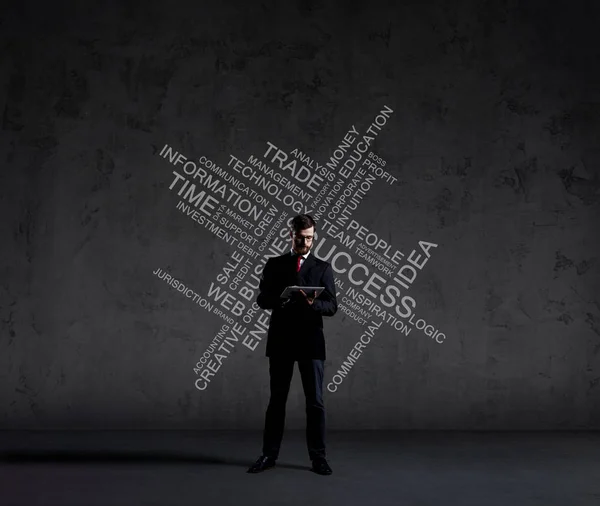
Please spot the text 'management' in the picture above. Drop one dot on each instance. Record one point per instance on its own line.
(249, 205)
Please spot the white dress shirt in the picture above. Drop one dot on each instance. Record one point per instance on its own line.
(303, 257)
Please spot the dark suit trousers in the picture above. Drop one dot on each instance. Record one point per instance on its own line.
(281, 371)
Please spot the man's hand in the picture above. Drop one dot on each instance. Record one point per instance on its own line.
(308, 298)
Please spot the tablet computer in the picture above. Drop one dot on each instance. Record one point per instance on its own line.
(308, 290)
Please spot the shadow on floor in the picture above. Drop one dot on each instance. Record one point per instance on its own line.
(112, 457)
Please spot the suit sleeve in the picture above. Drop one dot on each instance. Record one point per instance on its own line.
(326, 302)
(267, 297)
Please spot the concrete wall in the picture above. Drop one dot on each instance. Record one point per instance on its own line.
(493, 144)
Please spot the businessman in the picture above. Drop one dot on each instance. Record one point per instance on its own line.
(296, 335)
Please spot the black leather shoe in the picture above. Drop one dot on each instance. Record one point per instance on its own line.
(320, 466)
(262, 464)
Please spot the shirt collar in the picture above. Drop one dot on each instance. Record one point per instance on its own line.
(303, 256)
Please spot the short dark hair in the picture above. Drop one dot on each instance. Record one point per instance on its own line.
(302, 222)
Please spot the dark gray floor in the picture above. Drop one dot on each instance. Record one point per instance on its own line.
(370, 468)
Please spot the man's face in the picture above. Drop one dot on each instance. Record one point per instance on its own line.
(302, 240)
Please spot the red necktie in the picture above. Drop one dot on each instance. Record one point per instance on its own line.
(298, 264)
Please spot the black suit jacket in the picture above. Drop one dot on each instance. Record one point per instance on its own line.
(296, 329)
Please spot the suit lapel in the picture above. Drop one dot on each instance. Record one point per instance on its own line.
(290, 270)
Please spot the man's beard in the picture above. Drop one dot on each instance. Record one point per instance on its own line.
(302, 249)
